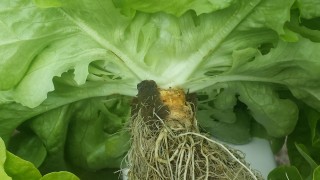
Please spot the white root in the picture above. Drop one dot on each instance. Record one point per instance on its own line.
(223, 147)
(164, 153)
(171, 147)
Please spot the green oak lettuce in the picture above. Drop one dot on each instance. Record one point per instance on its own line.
(69, 69)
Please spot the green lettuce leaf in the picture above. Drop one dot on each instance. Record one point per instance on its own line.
(37, 34)
(25, 171)
(26, 32)
(3, 157)
(86, 145)
(91, 123)
(175, 7)
(276, 114)
(285, 172)
(303, 143)
(14, 114)
(29, 147)
(60, 175)
(13, 167)
(308, 8)
(316, 173)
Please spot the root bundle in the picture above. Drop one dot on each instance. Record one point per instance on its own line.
(165, 148)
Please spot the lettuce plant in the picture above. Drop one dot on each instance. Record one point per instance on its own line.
(69, 69)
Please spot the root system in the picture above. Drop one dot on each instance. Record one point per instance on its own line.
(166, 143)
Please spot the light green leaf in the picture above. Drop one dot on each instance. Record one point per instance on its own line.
(2, 152)
(278, 116)
(3, 174)
(20, 169)
(309, 8)
(153, 46)
(290, 64)
(316, 173)
(62, 175)
(48, 51)
(25, 32)
(271, 13)
(175, 7)
(48, 4)
(75, 56)
(117, 145)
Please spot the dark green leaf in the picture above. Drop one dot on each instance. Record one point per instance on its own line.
(305, 154)
(28, 147)
(88, 137)
(285, 173)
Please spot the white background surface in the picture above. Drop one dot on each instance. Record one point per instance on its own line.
(259, 154)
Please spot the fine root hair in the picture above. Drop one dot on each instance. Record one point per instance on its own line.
(161, 152)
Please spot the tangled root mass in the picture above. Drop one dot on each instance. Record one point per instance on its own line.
(166, 142)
